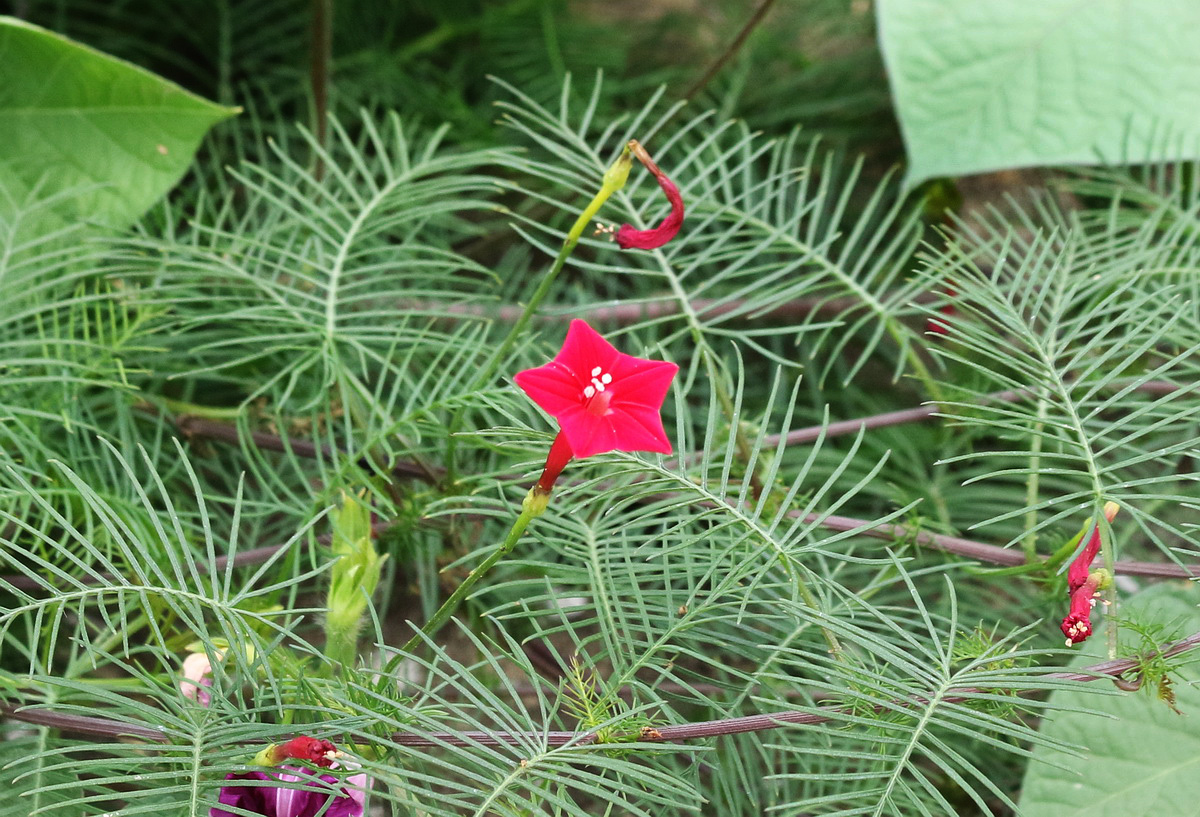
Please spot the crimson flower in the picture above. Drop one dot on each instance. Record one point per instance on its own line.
(604, 400)
(1077, 626)
(630, 238)
(1083, 584)
(317, 797)
(1077, 572)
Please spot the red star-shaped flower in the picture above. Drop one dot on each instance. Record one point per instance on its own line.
(603, 400)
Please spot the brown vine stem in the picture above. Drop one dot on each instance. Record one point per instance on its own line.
(735, 46)
(678, 733)
(967, 548)
(979, 551)
(625, 313)
(926, 412)
(242, 558)
(199, 427)
(191, 427)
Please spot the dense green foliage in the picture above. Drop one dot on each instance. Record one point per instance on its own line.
(306, 317)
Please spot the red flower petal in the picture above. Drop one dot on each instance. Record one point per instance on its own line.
(643, 430)
(603, 400)
(1077, 626)
(630, 238)
(1077, 572)
(553, 387)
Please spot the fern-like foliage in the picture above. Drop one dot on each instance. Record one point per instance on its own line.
(338, 311)
(1088, 320)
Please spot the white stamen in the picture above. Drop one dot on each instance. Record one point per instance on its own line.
(606, 378)
(588, 392)
(596, 371)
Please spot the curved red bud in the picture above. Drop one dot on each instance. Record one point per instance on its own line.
(630, 238)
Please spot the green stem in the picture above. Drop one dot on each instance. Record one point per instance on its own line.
(341, 640)
(1110, 592)
(613, 181)
(181, 407)
(460, 593)
(1031, 483)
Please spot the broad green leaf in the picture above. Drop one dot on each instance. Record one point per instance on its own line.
(85, 136)
(982, 86)
(1140, 758)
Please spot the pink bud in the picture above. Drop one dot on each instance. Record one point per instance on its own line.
(197, 677)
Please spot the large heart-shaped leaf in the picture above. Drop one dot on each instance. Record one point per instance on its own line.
(87, 137)
(990, 84)
(1140, 758)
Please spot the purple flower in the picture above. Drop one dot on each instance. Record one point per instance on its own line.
(306, 801)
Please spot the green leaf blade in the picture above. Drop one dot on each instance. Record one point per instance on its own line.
(74, 121)
(1140, 758)
(988, 86)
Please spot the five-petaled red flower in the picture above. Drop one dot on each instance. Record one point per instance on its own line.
(604, 400)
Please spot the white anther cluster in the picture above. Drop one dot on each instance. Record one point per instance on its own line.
(600, 380)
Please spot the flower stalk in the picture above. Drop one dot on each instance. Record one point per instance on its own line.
(604, 400)
(529, 512)
(613, 180)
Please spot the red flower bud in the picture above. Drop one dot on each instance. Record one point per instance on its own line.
(317, 752)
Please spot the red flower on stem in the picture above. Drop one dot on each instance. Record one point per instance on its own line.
(1077, 626)
(1077, 572)
(630, 238)
(1084, 584)
(604, 400)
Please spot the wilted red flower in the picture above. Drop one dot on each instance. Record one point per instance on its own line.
(303, 801)
(604, 400)
(1077, 572)
(1077, 626)
(630, 238)
(1083, 584)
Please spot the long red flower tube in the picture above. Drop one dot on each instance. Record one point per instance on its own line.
(1084, 584)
